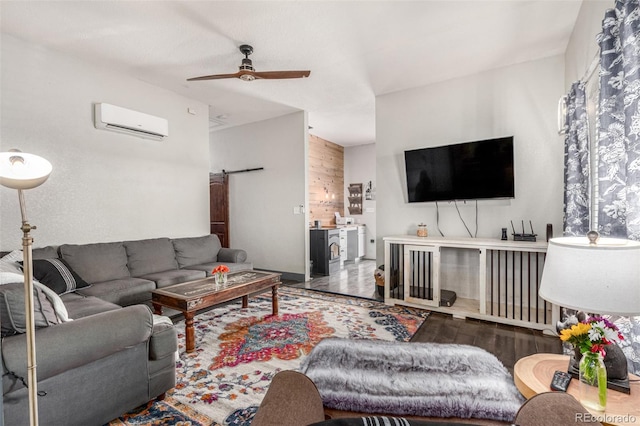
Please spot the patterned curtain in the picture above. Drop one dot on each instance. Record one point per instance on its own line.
(576, 163)
(618, 125)
(618, 150)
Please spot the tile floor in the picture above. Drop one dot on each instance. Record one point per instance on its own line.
(354, 279)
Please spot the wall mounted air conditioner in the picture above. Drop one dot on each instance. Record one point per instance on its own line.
(123, 120)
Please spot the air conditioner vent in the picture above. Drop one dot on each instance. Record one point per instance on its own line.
(123, 120)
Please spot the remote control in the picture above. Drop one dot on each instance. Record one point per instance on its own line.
(560, 381)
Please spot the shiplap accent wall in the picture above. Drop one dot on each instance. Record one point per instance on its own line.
(326, 180)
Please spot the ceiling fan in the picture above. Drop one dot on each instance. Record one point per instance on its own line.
(247, 73)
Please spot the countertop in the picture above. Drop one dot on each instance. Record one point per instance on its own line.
(352, 227)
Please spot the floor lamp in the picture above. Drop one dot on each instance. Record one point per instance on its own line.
(21, 171)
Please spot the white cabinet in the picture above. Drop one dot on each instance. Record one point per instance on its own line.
(362, 241)
(505, 275)
(352, 242)
(343, 245)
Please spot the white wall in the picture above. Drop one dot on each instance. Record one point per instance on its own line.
(262, 202)
(518, 100)
(105, 186)
(360, 167)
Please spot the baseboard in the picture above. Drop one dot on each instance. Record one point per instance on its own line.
(290, 276)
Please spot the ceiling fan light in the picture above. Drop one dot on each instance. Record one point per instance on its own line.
(246, 71)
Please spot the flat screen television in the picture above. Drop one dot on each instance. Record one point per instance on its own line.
(465, 171)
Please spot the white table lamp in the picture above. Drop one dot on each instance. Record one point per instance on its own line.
(595, 276)
(601, 277)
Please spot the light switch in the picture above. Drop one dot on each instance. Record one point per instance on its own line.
(296, 210)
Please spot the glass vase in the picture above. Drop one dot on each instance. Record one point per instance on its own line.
(593, 381)
(221, 278)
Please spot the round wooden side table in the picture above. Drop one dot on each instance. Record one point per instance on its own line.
(533, 375)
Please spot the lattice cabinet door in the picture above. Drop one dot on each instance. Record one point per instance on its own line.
(421, 274)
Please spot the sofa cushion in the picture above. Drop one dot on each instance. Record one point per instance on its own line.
(123, 292)
(176, 276)
(79, 306)
(48, 252)
(97, 263)
(12, 315)
(163, 340)
(196, 250)
(11, 259)
(57, 275)
(149, 256)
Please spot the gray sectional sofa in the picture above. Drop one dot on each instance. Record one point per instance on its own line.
(126, 272)
(114, 354)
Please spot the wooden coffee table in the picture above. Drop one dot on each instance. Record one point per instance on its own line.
(192, 296)
(533, 375)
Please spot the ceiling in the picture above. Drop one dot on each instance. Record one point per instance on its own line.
(356, 50)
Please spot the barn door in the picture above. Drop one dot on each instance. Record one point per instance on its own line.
(219, 206)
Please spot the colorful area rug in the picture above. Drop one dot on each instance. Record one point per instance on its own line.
(238, 351)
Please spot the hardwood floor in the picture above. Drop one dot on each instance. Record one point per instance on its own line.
(507, 343)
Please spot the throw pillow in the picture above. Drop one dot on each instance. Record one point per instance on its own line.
(10, 267)
(11, 277)
(57, 275)
(380, 420)
(12, 314)
(14, 256)
(9, 263)
(55, 300)
(630, 329)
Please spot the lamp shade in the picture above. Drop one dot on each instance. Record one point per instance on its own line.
(602, 278)
(19, 170)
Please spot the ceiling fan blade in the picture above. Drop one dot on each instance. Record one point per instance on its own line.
(274, 75)
(215, 77)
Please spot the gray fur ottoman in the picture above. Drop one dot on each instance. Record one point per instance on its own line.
(412, 379)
